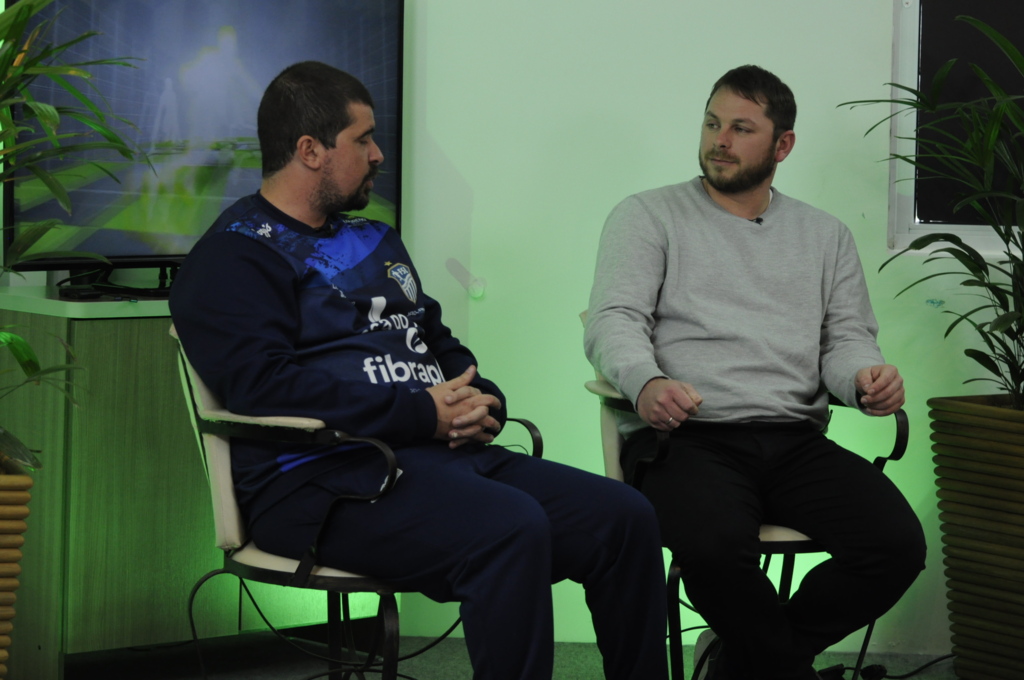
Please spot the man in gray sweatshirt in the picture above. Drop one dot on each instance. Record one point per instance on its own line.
(726, 312)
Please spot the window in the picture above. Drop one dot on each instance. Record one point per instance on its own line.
(926, 35)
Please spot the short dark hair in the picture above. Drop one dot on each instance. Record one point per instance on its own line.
(307, 98)
(763, 87)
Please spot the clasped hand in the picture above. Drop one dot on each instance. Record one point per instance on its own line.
(463, 411)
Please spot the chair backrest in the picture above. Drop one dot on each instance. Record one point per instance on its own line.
(216, 453)
(611, 440)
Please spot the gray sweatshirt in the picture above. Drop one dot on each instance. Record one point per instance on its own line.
(762, 319)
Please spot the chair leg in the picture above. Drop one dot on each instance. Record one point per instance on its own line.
(786, 585)
(786, 578)
(675, 625)
(388, 614)
(335, 632)
(863, 650)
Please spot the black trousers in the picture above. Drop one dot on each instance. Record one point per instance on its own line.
(720, 482)
(493, 529)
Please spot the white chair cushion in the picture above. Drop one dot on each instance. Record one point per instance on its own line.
(773, 534)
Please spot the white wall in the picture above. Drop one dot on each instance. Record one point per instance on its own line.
(527, 121)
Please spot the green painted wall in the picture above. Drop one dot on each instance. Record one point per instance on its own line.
(527, 121)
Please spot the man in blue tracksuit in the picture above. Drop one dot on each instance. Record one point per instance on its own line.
(287, 306)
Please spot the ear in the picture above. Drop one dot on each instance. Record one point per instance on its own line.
(784, 145)
(309, 152)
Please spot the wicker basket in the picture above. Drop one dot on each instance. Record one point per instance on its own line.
(14, 498)
(979, 463)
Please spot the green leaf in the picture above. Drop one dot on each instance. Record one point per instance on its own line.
(19, 14)
(106, 131)
(58, 153)
(1003, 321)
(1008, 48)
(102, 168)
(47, 114)
(978, 269)
(21, 351)
(962, 317)
(65, 254)
(939, 82)
(54, 185)
(994, 290)
(27, 55)
(12, 450)
(78, 94)
(26, 237)
(927, 278)
(983, 359)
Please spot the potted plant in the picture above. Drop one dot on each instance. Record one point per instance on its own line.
(36, 137)
(27, 142)
(15, 457)
(978, 441)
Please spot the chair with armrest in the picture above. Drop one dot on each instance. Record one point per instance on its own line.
(214, 426)
(774, 539)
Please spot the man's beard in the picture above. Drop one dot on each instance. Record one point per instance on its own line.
(331, 201)
(745, 179)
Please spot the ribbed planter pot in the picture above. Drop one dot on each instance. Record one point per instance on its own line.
(14, 498)
(979, 463)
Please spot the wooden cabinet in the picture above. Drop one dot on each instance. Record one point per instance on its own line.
(120, 526)
(138, 524)
(37, 419)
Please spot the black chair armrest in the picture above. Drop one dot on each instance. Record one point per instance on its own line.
(611, 398)
(278, 429)
(227, 424)
(535, 437)
(899, 446)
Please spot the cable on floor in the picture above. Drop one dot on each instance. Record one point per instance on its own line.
(347, 667)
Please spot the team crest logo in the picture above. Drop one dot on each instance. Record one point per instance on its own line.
(402, 274)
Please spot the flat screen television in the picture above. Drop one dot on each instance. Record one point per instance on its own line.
(193, 97)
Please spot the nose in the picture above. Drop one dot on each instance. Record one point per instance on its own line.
(376, 157)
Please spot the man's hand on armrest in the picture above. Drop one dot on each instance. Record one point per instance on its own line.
(664, 404)
(881, 389)
(463, 411)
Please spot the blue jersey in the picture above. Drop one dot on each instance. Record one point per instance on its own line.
(279, 318)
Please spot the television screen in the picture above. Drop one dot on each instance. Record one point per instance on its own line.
(192, 98)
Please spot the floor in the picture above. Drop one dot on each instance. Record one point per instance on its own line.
(259, 656)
